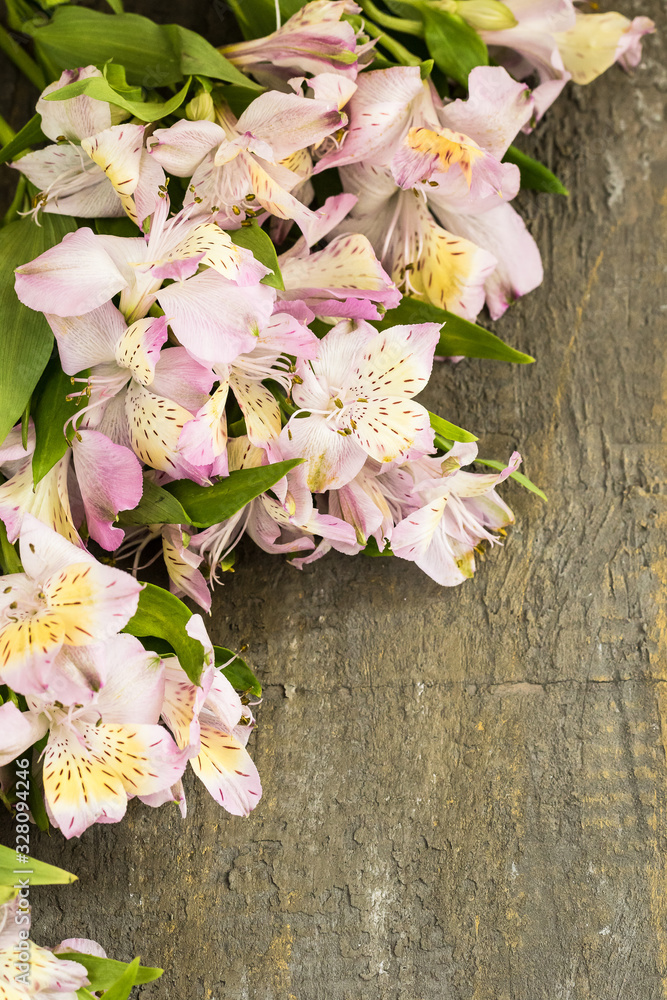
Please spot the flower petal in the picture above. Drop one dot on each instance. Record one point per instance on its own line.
(110, 480)
(76, 117)
(503, 233)
(84, 784)
(289, 122)
(214, 318)
(89, 339)
(19, 731)
(155, 427)
(496, 109)
(71, 278)
(226, 769)
(333, 458)
(182, 147)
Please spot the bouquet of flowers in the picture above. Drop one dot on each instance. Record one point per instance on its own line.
(226, 277)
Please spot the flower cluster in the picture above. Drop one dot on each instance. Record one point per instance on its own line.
(233, 355)
(98, 696)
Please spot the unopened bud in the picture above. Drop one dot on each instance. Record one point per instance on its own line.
(486, 15)
(201, 108)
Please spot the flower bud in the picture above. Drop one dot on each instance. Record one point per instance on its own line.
(201, 108)
(486, 15)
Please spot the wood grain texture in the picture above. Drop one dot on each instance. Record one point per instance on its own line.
(465, 792)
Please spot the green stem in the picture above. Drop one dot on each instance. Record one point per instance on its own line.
(398, 51)
(21, 59)
(393, 23)
(12, 212)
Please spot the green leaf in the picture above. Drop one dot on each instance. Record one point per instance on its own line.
(255, 239)
(50, 411)
(155, 507)
(207, 505)
(534, 175)
(9, 557)
(455, 46)
(450, 431)
(26, 337)
(38, 872)
(100, 90)
(373, 549)
(238, 673)
(161, 614)
(105, 972)
(459, 337)
(30, 134)
(36, 793)
(519, 476)
(154, 55)
(117, 227)
(121, 989)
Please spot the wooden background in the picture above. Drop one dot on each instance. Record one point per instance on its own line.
(465, 791)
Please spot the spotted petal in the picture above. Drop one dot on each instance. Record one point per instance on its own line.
(226, 768)
(90, 779)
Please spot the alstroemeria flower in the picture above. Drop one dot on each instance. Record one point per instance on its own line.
(101, 754)
(162, 386)
(28, 970)
(596, 41)
(314, 40)
(530, 46)
(453, 512)
(102, 169)
(484, 249)
(241, 167)
(63, 598)
(210, 723)
(86, 271)
(183, 566)
(356, 401)
(345, 279)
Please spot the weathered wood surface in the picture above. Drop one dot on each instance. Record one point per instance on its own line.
(465, 791)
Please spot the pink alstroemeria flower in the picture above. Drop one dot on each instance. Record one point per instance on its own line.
(28, 970)
(107, 480)
(596, 41)
(212, 726)
(96, 168)
(208, 311)
(163, 388)
(63, 598)
(101, 754)
(451, 170)
(355, 401)
(453, 512)
(345, 279)
(242, 167)
(314, 40)
(559, 42)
